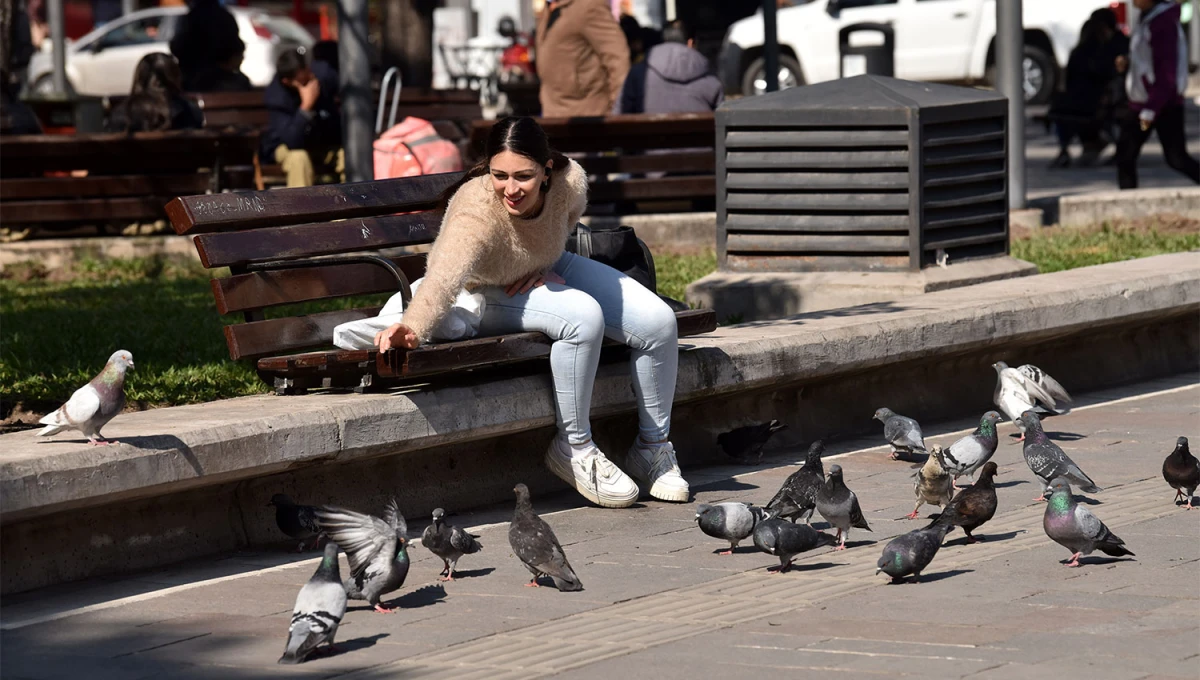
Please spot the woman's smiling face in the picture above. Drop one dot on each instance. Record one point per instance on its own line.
(517, 181)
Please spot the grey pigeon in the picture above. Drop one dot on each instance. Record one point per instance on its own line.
(1047, 384)
(448, 542)
(968, 454)
(785, 540)
(1075, 528)
(377, 550)
(839, 506)
(909, 554)
(933, 483)
(319, 609)
(904, 434)
(1182, 471)
(93, 405)
(747, 442)
(798, 495)
(975, 504)
(297, 521)
(1047, 460)
(534, 543)
(733, 522)
(1017, 393)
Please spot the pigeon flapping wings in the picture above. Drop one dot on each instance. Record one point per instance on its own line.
(364, 537)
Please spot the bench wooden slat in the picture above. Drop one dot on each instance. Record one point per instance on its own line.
(280, 207)
(310, 240)
(21, 189)
(454, 356)
(82, 210)
(258, 290)
(648, 189)
(675, 161)
(259, 338)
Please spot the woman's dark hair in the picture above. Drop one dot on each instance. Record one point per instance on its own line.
(519, 134)
(156, 81)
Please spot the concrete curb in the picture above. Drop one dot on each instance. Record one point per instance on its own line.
(180, 448)
(1107, 206)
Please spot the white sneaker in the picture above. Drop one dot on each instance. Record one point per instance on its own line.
(656, 466)
(593, 475)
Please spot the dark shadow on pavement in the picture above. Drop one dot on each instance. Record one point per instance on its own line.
(1005, 485)
(934, 578)
(1065, 436)
(725, 485)
(421, 597)
(473, 573)
(984, 538)
(740, 550)
(1093, 560)
(348, 646)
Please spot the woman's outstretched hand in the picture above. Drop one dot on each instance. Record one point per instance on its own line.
(522, 286)
(396, 335)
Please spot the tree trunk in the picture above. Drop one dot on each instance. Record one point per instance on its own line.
(408, 40)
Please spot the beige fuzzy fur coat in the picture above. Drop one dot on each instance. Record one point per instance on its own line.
(481, 244)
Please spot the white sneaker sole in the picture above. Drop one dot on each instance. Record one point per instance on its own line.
(568, 476)
(660, 491)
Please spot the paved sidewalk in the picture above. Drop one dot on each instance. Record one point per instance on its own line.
(659, 603)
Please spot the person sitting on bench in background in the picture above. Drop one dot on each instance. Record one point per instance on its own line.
(156, 100)
(225, 75)
(304, 126)
(503, 234)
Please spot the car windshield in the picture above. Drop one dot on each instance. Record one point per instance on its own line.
(141, 31)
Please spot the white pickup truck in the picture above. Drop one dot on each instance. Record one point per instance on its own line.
(935, 40)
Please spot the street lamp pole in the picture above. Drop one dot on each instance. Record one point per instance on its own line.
(770, 45)
(1010, 77)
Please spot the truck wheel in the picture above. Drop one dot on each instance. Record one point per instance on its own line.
(1039, 75)
(754, 78)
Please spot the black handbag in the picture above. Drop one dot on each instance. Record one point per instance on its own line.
(617, 247)
(621, 249)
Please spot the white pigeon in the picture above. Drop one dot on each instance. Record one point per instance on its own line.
(94, 404)
(1016, 393)
(1048, 384)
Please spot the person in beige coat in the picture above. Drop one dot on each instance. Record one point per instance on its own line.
(582, 58)
(503, 235)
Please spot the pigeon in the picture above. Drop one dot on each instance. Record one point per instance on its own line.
(1017, 393)
(968, 454)
(733, 522)
(798, 495)
(747, 442)
(93, 405)
(448, 543)
(1047, 460)
(297, 521)
(1075, 528)
(904, 434)
(319, 609)
(933, 483)
(1049, 385)
(534, 543)
(839, 506)
(975, 504)
(785, 540)
(1182, 471)
(377, 550)
(909, 554)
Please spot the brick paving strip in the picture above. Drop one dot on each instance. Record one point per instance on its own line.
(655, 620)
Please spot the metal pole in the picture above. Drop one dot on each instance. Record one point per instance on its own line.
(1194, 32)
(354, 73)
(58, 38)
(1010, 77)
(128, 6)
(770, 46)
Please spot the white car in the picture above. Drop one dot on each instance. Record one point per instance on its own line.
(935, 40)
(102, 62)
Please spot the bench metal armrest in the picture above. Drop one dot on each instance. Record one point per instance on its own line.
(378, 260)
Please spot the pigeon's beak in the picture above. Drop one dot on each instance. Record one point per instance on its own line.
(131, 363)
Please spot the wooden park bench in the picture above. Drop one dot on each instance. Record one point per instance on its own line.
(299, 245)
(59, 181)
(636, 148)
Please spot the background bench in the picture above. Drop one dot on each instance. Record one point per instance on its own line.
(298, 245)
(129, 178)
(619, 151)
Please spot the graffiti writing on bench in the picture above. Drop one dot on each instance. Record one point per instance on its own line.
(226, 204)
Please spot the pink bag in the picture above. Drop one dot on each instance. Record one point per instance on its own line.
(412, 147)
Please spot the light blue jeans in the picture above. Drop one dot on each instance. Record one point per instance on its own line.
(596, 302)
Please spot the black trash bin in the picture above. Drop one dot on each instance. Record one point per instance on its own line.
(881, 59)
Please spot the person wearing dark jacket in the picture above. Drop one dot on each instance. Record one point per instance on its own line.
(674, 78)
(16, 49)
(1155, 83)
(225, 75)
(1078, 111)
(204, 37)
(304, 125)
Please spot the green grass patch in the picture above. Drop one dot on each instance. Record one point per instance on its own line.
(58, 328)
(1059, 248)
